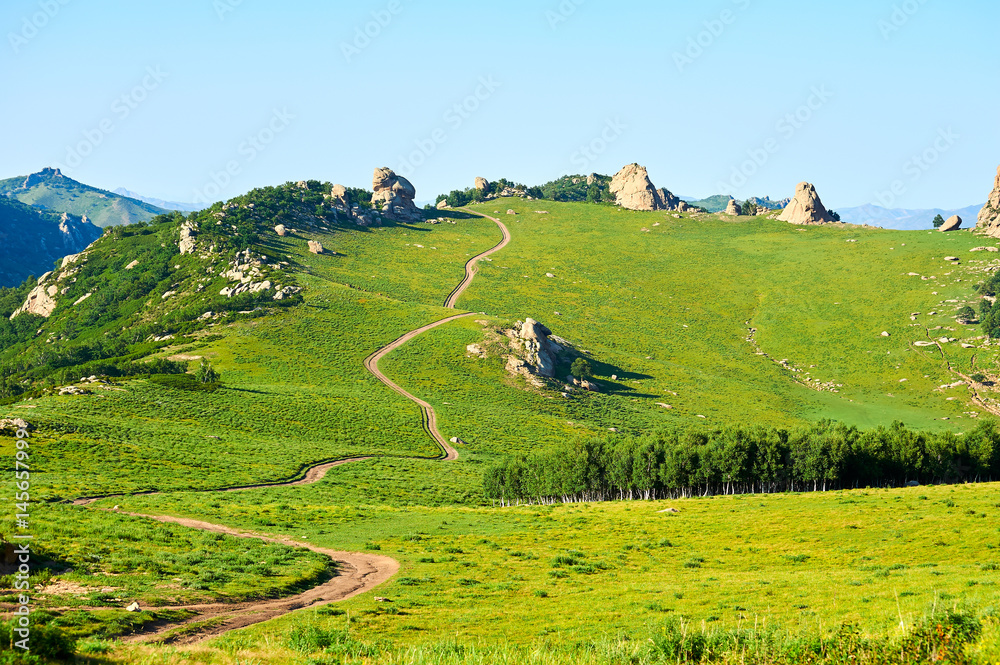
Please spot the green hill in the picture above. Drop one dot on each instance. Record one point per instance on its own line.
(51, 190)
(32, 240)
(691, 323)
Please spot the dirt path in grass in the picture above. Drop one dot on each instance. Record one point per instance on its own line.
(357, 572)
(428, 415)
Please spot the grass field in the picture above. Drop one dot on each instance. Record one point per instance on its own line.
(667, 305)
(577, 574)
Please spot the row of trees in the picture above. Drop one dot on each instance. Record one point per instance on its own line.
(741, 460)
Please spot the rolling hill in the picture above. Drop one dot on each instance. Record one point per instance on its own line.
(692, 323)
(32, 240)
(49, 189)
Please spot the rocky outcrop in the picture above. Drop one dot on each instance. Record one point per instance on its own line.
(189, 231)
(41, 301)
(443, 204)
(667, 200)
(315, 247)
(395, 195)
(989, 216)
(806, 207)
(732, 208)
(339, 196)
(953, 223)
(42, 176)
(633, 189)
(482, 184)
(591, 179)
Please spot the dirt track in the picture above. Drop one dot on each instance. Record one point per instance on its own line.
(357, 572)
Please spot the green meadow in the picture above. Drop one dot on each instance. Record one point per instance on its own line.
(728, 321)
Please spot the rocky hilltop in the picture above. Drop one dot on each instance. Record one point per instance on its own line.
(634, 190)
(50, 190)
(806, 207)
(989, 216)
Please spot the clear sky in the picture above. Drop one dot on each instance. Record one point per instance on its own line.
(744, 96)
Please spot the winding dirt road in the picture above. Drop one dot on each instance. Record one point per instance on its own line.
(357, 572)
(428, 415)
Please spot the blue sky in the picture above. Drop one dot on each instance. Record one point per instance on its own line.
(211, 98)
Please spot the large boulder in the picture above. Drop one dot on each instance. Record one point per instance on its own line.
(989, 216)
(395, 194)
(482, 184)
(732, 208)
(189, 231)
(806, 207)
(953, 223)
(339, 196)
(535, 352)
(633, 190)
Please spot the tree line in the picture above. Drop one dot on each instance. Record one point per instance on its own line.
(741, 460)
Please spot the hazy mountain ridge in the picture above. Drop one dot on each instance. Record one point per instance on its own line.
(51, 190)
(159, 203)
(906, 219)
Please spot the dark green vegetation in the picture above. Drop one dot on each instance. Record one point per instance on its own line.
(938, 221)
(737, 460)
(32, 240)
(51, 190)
(463, 197)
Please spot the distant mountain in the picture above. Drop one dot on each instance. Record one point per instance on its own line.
(32, 240)
(720, 202)
(160, 203)
(51, 190)
(905, 219)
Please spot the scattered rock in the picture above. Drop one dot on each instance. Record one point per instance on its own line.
(985, 249)
(443, 204)
(134, 607)
(511, 212)
(281, 230)
(953, 223)
(885, 333)
(549, 275)
(315, 247)
(952, 258)
(132, 265)
(806, 207)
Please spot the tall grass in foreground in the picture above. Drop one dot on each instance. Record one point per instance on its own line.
(959, 636)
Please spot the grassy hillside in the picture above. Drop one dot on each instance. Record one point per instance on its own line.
(749, 321)
(51, 190)
(33, 240)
